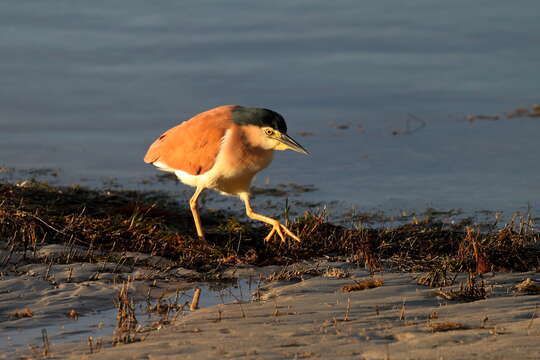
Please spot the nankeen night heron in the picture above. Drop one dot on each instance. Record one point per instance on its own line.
(222, 149)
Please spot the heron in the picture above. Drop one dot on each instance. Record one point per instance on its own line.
(223, 149)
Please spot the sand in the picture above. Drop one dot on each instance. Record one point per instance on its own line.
(310, 318)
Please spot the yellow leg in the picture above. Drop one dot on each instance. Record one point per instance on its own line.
(277, 227)
(194, 205)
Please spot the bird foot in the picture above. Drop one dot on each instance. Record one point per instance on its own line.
(280, 229)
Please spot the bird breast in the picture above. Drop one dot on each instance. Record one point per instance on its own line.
(239, 157)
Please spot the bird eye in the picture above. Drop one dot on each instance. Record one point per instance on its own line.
(268, 132)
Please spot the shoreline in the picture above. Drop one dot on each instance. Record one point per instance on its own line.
(76, 248)
(314, 318)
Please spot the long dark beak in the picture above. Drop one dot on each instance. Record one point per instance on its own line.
(292, 144)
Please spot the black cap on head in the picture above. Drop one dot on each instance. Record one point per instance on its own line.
(259, 117)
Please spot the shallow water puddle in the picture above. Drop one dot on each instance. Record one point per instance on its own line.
(101, 324)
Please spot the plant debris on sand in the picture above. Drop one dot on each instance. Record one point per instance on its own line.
(118, 221)
(528, 286)
(446, 326)
(358, 286)
(472, 290)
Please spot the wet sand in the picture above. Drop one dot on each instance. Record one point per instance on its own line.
(307, 320)
(310, 318)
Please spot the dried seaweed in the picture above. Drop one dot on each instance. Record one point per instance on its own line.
(115, 221)
(446, 326)
(358, 286)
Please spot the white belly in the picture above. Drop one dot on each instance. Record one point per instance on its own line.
(234, 185)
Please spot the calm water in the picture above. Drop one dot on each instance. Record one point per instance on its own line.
(86, 86)
(101, 324)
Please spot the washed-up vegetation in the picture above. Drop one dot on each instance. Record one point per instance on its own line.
(446, 326)
(110, 222)
(521, 112)
(358, 286)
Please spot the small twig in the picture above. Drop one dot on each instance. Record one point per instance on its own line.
(45, 339)
(179, 311)
(335, 324)
(70, 275)
(484, 321)
(195, 301)
(532, 317)
(91, 344)
(8, 257)
(276, 311)
(239, 301)
(220, 313)
(346, 318)
(46, 276)
(47, 224)
(122, 261)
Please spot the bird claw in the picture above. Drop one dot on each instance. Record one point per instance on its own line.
(279, 229)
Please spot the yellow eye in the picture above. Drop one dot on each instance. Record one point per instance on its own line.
(269, 132)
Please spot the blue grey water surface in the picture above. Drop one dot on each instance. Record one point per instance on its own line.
(86, 86)
(102, 323)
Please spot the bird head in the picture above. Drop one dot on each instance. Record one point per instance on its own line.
(267, 127)
(282, 141)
